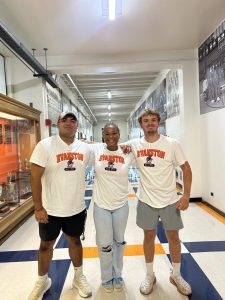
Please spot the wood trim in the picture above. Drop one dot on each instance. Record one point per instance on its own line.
(16, 108)
(12, 106)
(10, 221)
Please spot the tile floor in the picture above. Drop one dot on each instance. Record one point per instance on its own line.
(203, 259)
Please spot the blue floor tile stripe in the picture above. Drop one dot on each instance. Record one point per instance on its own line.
(161, 233)
(210, 246)
(57, 272)
(88, 193)
(87, 203)
(202, 288)
(62, 242)
(135, 190)
(18, 256)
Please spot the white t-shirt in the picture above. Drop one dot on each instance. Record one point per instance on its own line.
(63, 181)
(156, 162)
(110, 189)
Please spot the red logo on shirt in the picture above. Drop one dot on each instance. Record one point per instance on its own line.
(112, 158)
(151, 152)
(69, 156)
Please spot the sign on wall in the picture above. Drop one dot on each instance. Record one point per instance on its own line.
(211, 71)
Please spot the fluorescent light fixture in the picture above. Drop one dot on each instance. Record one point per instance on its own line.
(109, 120)
(109, 114)
(112, 9)
(109, 106)
(109, 95)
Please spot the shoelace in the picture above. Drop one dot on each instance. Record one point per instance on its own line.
(38, 287)
(182, 283)
(147, 282)
(83, 281)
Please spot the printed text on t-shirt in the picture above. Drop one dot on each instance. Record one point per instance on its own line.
(68, 156)
(151, 152)
(114, 158)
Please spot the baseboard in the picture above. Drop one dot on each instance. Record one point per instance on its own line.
(214, 208)
(196, 199)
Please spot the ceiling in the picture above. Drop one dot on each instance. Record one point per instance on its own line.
(102, 55)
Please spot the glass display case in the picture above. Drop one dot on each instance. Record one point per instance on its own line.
(19, 133)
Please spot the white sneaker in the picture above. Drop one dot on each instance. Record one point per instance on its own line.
(182, 286)
(118, 284)
(39, 289)
(146, 286)
(83, 286)
(108, 286)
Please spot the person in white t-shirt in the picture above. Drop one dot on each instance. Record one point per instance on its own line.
(110, 196)
(58, 165)
(156, 157)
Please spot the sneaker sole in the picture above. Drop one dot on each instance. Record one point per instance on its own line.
(118, 289)
(174, 283)
(80, 292)
(107, 290)
(150, 290)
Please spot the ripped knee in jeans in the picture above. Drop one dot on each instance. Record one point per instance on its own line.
(106, 249)
(123, 243)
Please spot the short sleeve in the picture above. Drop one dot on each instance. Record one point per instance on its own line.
(179, 156)
(40, 155)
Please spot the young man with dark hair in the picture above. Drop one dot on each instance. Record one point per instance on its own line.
(58, 166)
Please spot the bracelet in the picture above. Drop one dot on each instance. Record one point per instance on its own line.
(38, 209)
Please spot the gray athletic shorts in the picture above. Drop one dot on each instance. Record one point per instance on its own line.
(148, 217)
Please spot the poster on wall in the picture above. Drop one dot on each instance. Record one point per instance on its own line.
(160, 100)
(54, 103)
(157, 100)
(173, 94)
(211, 56)
(66, 104)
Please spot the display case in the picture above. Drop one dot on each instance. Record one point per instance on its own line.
(19, 133)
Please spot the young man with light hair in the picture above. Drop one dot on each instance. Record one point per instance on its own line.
(157, 156)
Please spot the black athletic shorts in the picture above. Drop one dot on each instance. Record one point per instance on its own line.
(72, 226)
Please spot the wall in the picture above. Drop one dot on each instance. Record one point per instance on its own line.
(190, 123)
(123, 131)
(186, 127)
(213, 157)
(22, 86)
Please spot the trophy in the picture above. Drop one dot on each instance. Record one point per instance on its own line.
(1, 189)
(20, 165)
(26, 161)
